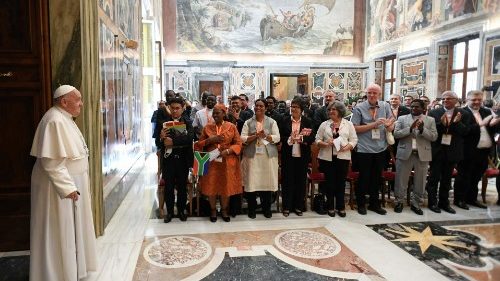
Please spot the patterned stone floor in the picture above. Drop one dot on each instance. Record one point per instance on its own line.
(459, 250)
(296, 254)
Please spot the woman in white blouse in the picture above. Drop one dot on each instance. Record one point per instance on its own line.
(336, 138)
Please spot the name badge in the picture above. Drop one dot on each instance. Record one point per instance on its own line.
(414, 144)
(376, 134)
(296, 150)
(260, 149)
(446, 139)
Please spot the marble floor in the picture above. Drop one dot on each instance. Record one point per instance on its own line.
(463, 246)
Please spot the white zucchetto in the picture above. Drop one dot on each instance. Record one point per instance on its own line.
(63, 90)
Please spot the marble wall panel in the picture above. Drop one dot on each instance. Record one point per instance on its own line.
(413, 76)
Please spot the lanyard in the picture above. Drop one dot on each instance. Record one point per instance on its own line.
(218, 131)
(373, 113)
(448, 122)
(209, 118)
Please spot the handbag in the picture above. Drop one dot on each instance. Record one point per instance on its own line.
(390, 138)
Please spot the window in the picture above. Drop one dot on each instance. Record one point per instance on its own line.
(389, 79)
(463, 62)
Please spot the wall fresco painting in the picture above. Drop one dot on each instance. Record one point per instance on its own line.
(419, 14)
(121, 97)
(457, 8)
(266, 27)
(392, 19)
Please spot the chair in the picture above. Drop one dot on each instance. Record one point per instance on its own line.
(352, 178)
(387, 177)
(314, 176)
(489, 173)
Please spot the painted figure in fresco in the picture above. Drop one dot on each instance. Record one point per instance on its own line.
(461, 7)
(293, 25)
(388, 20)
(415, 15)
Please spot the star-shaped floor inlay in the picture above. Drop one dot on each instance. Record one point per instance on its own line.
(426, 238)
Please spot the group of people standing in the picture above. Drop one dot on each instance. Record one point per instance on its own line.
(251, 150)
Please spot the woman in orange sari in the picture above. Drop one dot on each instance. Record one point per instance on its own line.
(224, 173)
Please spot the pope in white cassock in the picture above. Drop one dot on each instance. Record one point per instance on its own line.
(63, 244)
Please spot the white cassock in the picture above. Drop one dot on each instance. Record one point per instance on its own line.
(61, 167)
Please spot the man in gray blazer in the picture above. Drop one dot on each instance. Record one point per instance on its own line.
(415, 132)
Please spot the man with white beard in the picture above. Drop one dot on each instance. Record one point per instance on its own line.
(63, 245)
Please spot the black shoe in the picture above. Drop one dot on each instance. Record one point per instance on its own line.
(342, 213)
(268, 214)
(226, 219)
(298, 212)
(461, 205)
(286, 213)
(213, 219)
(377, 210)
(362, 211)
(168, 218)
(416, 210)
(478, 204)
(183, 216)
(251, 214)
(331, 213)
(448, 209)
(398, 208)
(434, 208)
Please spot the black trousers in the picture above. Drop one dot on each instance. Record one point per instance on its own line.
(370, 177)
(470, 172)
(294, 174)
(440, 173)
(265, 200)
(175, 172)
(335, 174)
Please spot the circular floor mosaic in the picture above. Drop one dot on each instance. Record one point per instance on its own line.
(307, 244)
(177, 251)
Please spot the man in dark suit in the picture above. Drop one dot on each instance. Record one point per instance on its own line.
(176, 152)
(271, 109)
(452, 125)
(321, 114)
(477, 146)
(236, 115)
(308, 108)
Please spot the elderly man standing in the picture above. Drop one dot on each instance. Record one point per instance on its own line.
(371, 119)
(477, 145)
(415, 133)
(452, 125)
(63, 245)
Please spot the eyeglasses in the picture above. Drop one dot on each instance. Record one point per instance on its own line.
(449, 98)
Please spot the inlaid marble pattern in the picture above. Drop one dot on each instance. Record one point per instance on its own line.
(315, 250)
(307, 244)
(459, 252)
(177, 251)
(266, 267)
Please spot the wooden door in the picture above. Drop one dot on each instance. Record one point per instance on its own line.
(214, 87)
(24, 98)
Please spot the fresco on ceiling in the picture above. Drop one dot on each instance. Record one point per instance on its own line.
(392, 19)
(312, 27)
